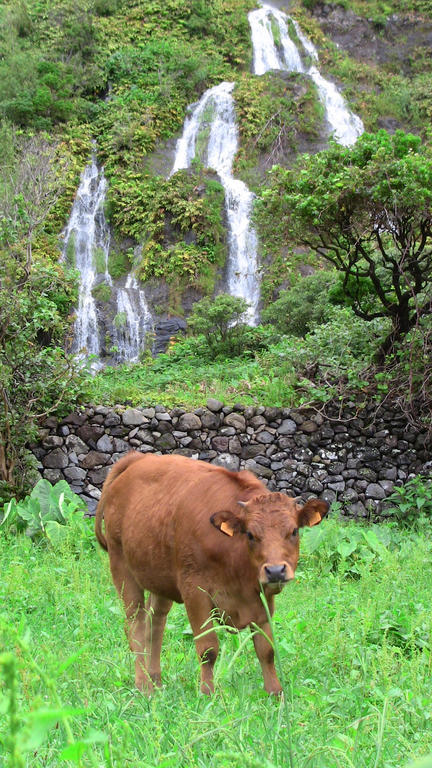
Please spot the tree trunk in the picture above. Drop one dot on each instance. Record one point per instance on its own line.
(402, 323)
(7, 466)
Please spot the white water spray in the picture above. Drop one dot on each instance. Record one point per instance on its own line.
(88, 234)
(85, 235)
(134, 320)
(282, 53)
(210, 134)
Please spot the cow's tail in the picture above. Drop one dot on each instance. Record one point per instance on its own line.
(117, 470)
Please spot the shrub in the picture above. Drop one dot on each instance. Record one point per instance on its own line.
(347, 549)
(50, 512)
(411, 504)
(300, 308)
(222, 322)
(106, 7)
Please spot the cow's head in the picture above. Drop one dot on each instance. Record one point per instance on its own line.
(270, 524)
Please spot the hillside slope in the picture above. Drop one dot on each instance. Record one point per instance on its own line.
(122, 74)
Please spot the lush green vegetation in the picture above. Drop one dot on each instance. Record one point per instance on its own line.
(368, 211)
(123, 73)
(154, 58)
(272, 369)
(353, 634)
(396, 91)
(36, 375)
(181, 220)
(51, 513)
(273, 112)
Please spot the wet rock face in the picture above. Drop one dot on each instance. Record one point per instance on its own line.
(164, 330)
(355, 458)
(390, 44)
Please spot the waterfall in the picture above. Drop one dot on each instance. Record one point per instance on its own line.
(210, 134)
(88, 236)
(85, 232)
(283, 54)
(133, 322)
(266, 54)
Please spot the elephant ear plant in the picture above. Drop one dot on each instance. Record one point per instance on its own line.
(51, 512)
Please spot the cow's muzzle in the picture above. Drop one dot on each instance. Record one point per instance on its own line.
(276, 574)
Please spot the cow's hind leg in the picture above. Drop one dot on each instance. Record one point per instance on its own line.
(157, 608)
(133, 599)
(199, 608)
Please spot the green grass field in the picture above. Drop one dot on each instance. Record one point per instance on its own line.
(355, 656)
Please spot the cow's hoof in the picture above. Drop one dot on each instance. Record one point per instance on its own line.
(156, 679)
(207, 688)
(145, 686)
(275, 691)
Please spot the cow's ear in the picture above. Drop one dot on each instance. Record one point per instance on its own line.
(312, 512)
(227, 522)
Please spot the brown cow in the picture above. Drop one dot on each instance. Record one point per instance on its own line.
(197, 534)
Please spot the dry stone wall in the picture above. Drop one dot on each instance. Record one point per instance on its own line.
(356, 457)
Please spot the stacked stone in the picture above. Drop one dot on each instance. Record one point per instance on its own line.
(354, 459)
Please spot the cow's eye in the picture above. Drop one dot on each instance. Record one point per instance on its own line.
(250, 536)
(295, 532)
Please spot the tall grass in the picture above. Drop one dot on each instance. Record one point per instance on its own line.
(355, 655)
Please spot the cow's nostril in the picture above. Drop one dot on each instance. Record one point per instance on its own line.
(275, 572)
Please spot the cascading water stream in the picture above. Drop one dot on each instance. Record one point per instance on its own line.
(84, 234)
(283, 54)
(135, 320)
(210, 133)
(266, 54)
(88, 235)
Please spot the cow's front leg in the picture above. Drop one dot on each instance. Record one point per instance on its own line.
(264, 650)
(199, 607)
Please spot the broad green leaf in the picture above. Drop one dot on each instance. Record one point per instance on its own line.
(56, 533)
(75, 751)
(29, 510)
(346, 548)
(41, 493)
(313, 537)
(10, 512)
(374, 542)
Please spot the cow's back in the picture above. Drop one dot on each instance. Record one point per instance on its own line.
(157, 516)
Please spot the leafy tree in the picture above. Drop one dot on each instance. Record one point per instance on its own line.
(305, 305)
(31, 184)
(221, 321)
(367, 210)
(36, 375)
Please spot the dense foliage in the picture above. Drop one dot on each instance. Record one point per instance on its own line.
(307, 304)
(273, 111)
(368, 211)
(123, 73)
(180, 221)
(36, 375)
(268, 368)
(222, 323)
